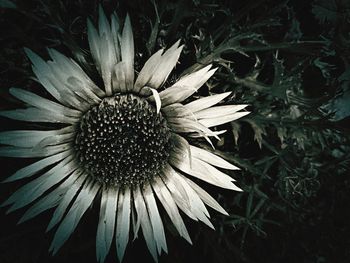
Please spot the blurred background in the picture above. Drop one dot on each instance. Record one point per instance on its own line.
(289, 60)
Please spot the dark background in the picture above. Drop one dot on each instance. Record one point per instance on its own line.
(289, 60)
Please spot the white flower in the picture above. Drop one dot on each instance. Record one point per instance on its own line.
(126, 141)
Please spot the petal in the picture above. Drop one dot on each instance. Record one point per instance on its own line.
(21, 152)
(211, 158)
(186, 86)
(31, 191)
(67, 198)
(166, 64)
(50, 200)
(223, 119)
(196, 205)
(156, 221)
(210, 201)
(144, 220)
(127, 53)
(37, 115)
(170, 207)
(218, 111)
(123, 222)
(106, 223)
(94, 43)
(31, 138)
(70, 222)
(36, 167)
(42, 103)
(206, 102)
(148, 70)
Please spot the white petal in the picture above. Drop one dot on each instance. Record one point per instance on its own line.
(30, 138)
(211, 158)
(196, 205)
(94, 43)
(42, 103)
(10, 151)
(119, 78)
(106, 223)
(177, 191)
(210, 201)
(31, 191)
(167, 63)
(178, 110)
(169, 205)
(223, 119)
(190, 165)
(156, 221)
(123, 222)
(185, 125)
(76, 78)
(148, 70)
(36, 167)
(69, 195)
(206, 102)
(186, 86)
(127, 53)
(50, 200)
(144, 220)
(70, 222)
(37, 115)
(115, 28)
(157, 99)
(219, 111)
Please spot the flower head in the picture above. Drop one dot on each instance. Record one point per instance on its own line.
(127, 143)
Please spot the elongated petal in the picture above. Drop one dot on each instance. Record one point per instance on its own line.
(123, 222)
(177, 191)
(70, 222)
(36, 167)
(196, 205)
(21, 152)
(156, 221)
(169, 205)
(31, 191)
(119, 78)
(186, 86)
(42, 103)
(74, 76)
(68, 197)
(31, 138)
(50, 200)
(185, 125)
(211, 158)
(157, 99)
(179, 158)
(223, 119)
(167, 63)
(127, 52)
(218, 111)
(106, 223)
(37, 115)
(210, 201)
(143, 219)
(178, 110)
(206, 102)
(94, 43)
(148, 70)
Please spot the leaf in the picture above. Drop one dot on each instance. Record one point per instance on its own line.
(7, 4)
(325, 11)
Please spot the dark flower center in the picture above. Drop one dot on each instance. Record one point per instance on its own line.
(123, 141)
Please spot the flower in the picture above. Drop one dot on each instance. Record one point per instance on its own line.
(126, 143)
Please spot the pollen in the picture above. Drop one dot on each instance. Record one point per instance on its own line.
(123, 141)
